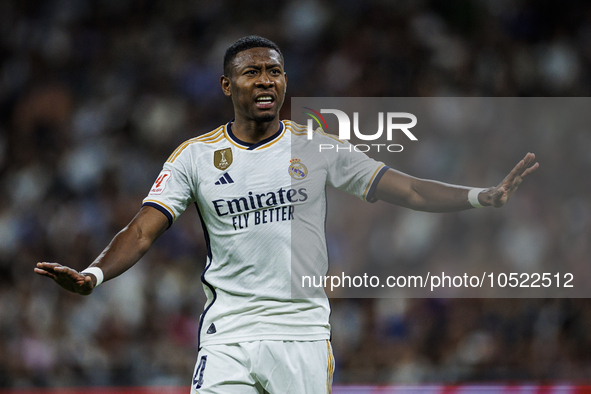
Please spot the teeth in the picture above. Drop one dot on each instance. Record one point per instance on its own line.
(265, 98)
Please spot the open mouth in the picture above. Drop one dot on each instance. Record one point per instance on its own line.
(264, 101)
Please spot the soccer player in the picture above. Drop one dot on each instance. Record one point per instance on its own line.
(251, 179)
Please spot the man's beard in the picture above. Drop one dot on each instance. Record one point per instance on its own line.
(265, 118)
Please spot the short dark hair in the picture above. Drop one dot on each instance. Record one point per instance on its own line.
(245, 43)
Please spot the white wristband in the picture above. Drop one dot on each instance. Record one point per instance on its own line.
(473, 197)
(96, 271)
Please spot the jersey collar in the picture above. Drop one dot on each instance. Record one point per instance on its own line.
(252, 146)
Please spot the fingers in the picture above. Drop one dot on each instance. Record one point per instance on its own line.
(87, 283)
(55, 270)
(527, 161)
(516, 170)
(46, 265)
(46, 269)
(66, 277)
(42, 272)
(530, 170)
(522, 169)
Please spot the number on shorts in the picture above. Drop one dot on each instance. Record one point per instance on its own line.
(198, 378)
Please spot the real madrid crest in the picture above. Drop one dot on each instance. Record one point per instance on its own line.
(297, 169)
(222, 159)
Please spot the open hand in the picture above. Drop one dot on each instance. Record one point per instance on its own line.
(67, 278)
(498, 196)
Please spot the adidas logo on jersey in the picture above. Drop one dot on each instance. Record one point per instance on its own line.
(211, 329)
(224, 179)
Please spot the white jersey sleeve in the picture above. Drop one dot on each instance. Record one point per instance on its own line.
(172, 191)
(354, 172)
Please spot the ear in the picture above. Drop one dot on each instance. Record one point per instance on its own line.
(285, 74)
(225, 83)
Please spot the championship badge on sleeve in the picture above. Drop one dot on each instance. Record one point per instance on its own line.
(222, 159)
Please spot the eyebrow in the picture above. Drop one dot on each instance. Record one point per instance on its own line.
(258, 67)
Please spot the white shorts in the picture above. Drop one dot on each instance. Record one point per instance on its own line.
(258, 367)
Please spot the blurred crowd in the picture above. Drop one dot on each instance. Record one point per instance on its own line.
(94, 96)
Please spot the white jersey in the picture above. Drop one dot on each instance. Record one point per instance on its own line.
(249, 198)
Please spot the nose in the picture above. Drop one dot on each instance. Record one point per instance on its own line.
(265, 81)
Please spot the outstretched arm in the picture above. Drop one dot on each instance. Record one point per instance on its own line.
(431, 196)
(126, 248)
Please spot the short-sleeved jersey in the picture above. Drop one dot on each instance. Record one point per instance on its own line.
(249, 197)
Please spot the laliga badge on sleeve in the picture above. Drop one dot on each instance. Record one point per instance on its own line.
(222, 159)
(160, 183)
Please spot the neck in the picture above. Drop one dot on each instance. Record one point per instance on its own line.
(252, 131)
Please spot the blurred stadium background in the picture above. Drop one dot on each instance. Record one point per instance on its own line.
(94, 95)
